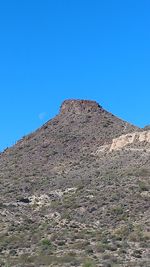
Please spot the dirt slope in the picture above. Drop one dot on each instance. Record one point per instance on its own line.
(70, 205)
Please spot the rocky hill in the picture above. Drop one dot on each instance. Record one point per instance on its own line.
(76, 192)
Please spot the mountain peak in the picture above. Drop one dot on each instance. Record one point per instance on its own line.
(82, 172)
(79, 106)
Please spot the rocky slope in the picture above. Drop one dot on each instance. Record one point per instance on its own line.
(76, 192)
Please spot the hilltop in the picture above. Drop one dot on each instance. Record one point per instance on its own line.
(76, 192)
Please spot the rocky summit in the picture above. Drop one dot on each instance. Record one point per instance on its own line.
(76, 192)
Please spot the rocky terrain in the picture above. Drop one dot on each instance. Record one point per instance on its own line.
(76, 192)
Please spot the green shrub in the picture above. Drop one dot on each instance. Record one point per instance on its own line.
(143, 186)
(89, 263)
(118, 210)
(46, 242)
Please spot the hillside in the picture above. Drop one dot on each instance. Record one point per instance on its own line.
(76, 192)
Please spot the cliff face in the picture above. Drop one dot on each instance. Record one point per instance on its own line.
(70, 205)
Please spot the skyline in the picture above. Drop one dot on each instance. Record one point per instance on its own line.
(56, 50)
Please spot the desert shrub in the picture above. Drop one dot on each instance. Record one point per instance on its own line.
(88, 263)
(143, 186)
(118, 210)
(47, 246)
(46, 242)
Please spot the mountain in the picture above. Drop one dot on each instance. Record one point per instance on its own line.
(76, 192)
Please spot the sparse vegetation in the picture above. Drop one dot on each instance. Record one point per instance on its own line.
(143, 186)
(63, 204)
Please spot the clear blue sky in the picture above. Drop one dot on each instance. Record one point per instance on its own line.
(51, 50)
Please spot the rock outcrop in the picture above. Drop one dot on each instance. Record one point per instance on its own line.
(126, 140)
(79, 106)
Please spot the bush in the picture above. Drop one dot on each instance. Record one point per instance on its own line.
(143, 186)
(89, 263)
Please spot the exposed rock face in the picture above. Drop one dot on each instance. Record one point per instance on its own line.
(79, 106)
(126, 140)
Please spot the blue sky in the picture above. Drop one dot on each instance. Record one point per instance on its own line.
(53, 50)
